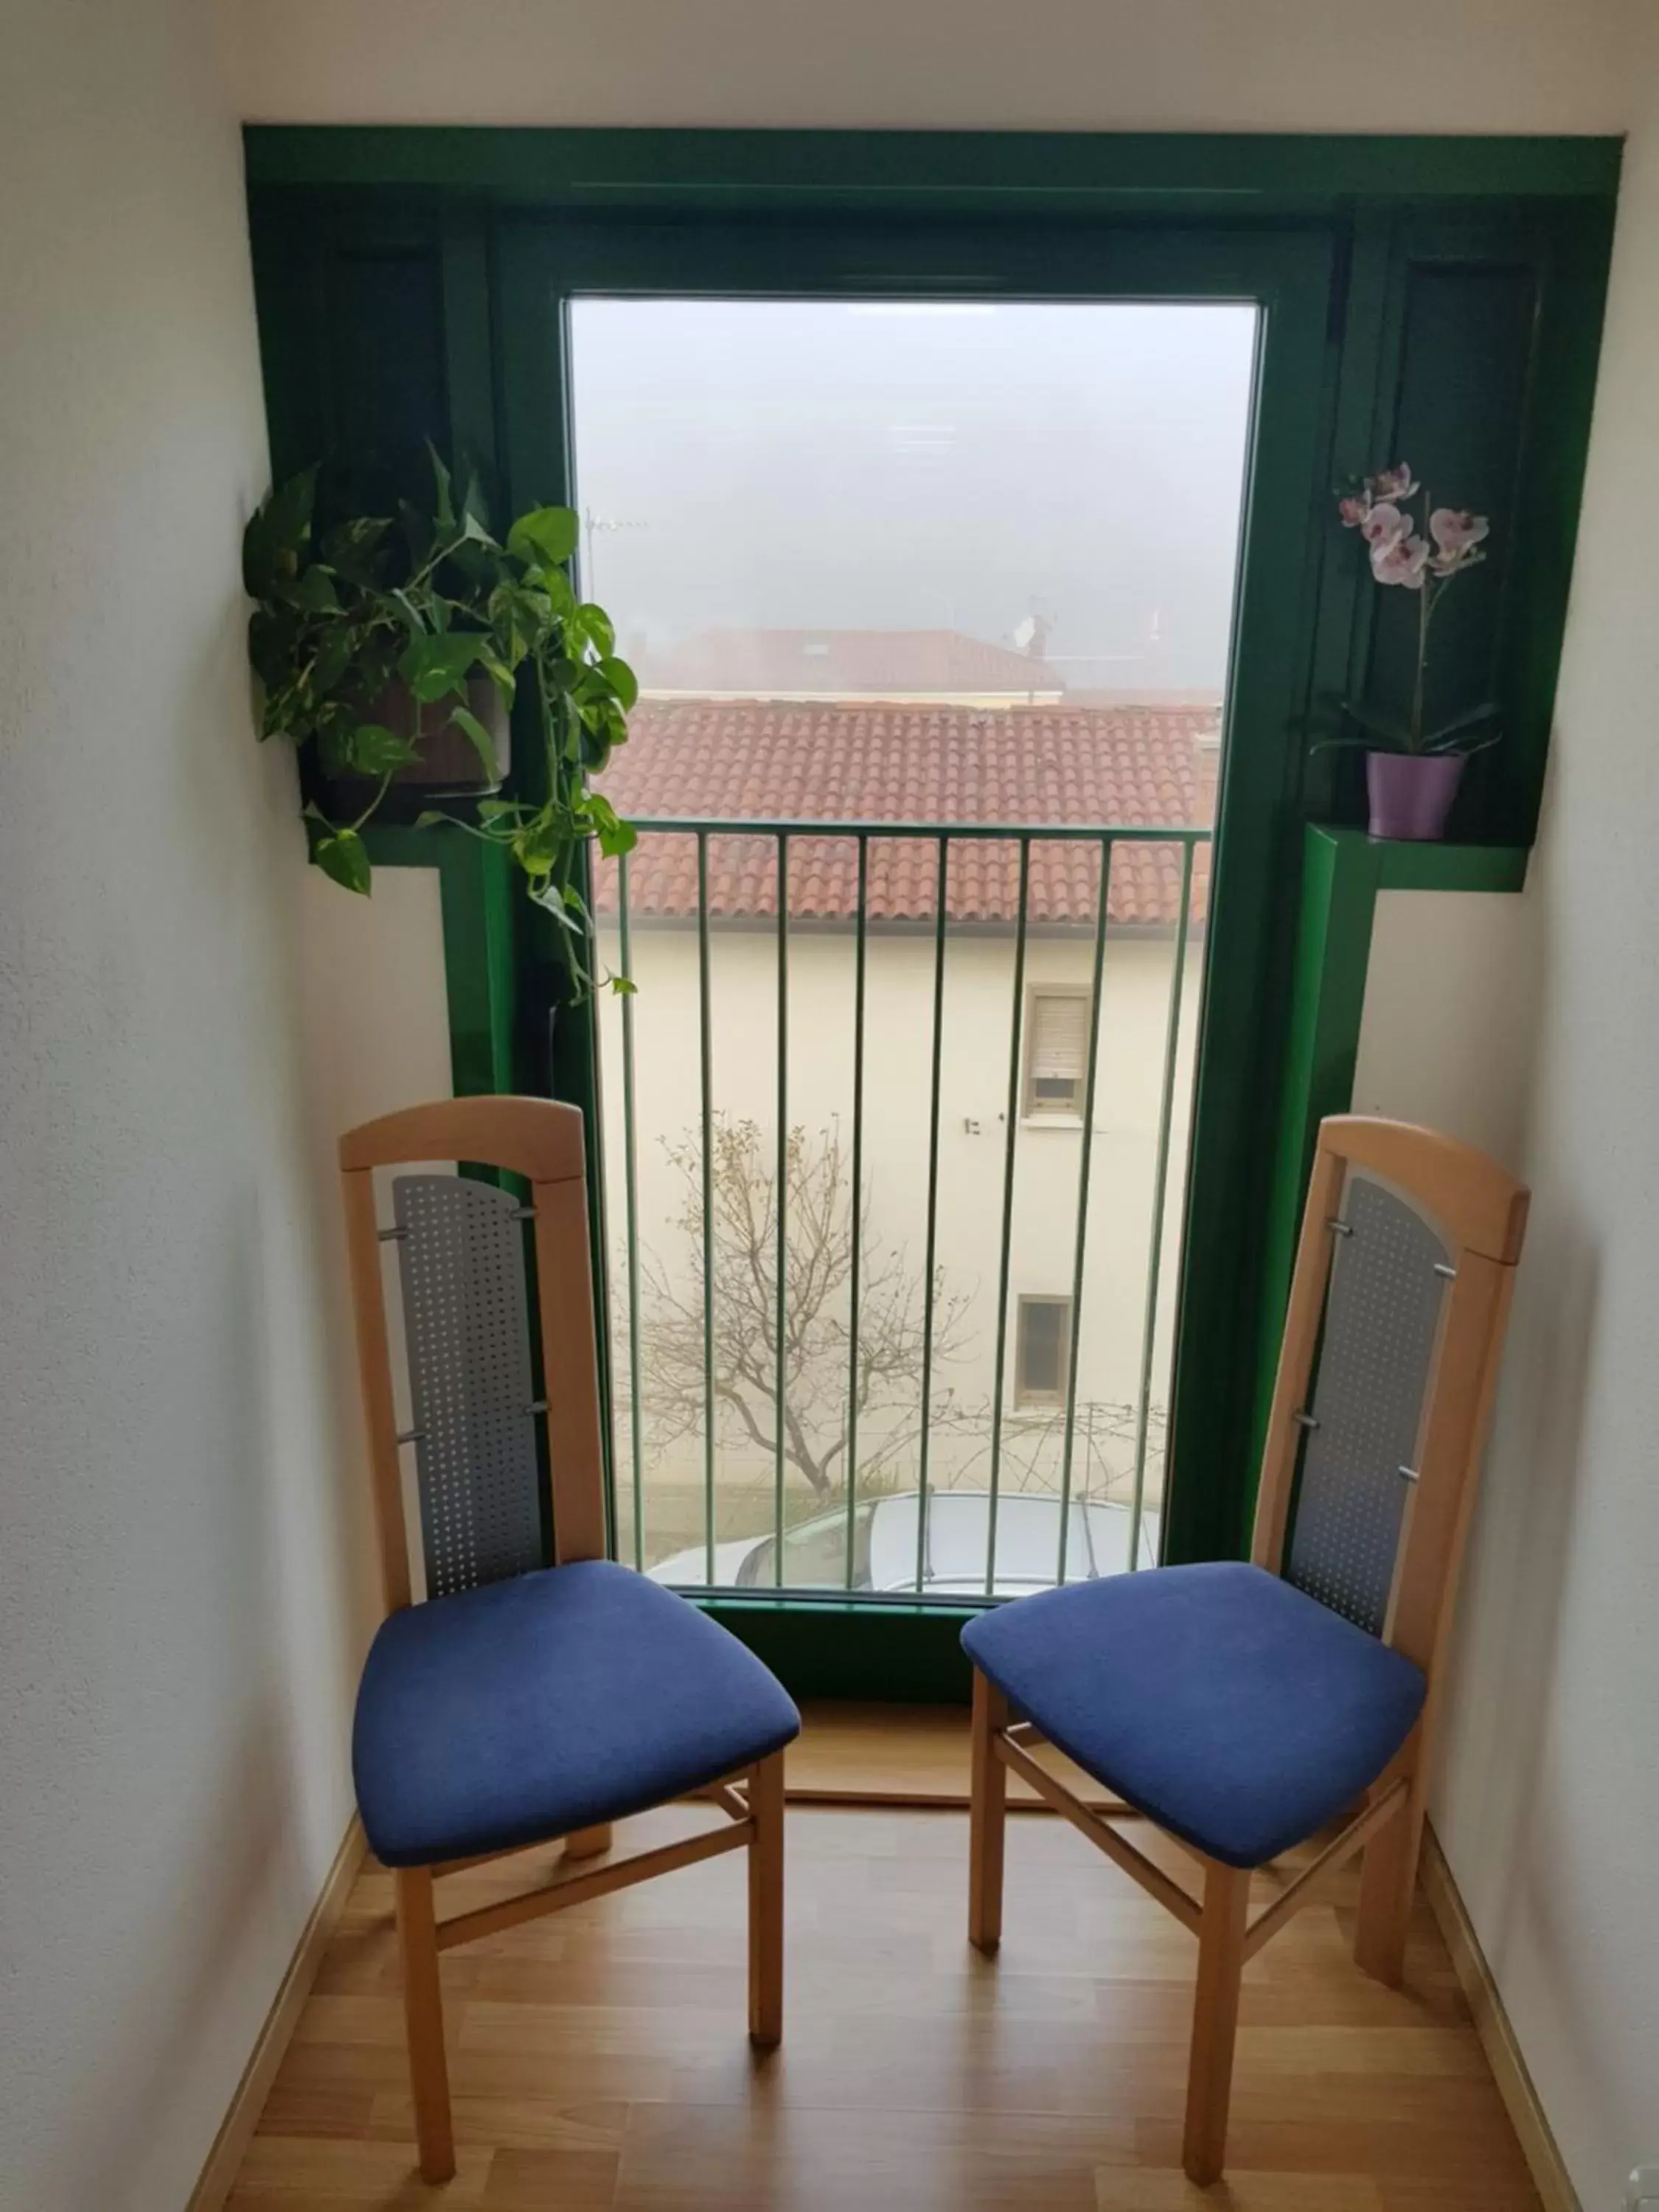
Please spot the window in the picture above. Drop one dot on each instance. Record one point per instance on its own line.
(1056, 1052)
(1042, 1348)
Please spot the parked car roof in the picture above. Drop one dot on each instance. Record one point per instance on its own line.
(1027, 1550)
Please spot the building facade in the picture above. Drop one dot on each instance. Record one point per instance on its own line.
(911, 764)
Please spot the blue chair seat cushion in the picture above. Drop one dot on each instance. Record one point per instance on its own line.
(1239, 1713)
(553, 1701)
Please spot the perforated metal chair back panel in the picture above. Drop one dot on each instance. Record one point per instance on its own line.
(1387, 1369)
(466, 1329)
(1390, 1272)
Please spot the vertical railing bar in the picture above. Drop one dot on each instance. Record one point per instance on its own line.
(705, 1033)
(857, 1219)
(1084, 1159)
(1010, 1137)
(943, 851)
(780, 1323)
(631, 1204)
(1160, 1181)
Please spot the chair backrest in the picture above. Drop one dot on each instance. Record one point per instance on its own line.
(1386, 1374)
(461, 1262)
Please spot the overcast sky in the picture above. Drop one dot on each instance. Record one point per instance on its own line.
(813, 465)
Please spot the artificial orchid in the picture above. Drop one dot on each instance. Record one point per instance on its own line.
(1419, 552)
(1456, 533)
(1383, 526)
(1397, 483)
(1400, 560)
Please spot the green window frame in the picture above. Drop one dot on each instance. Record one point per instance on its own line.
(1430, 295)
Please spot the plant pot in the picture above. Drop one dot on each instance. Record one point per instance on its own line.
(449, 766)
(1410, 794)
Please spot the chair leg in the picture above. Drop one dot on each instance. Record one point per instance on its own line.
(765, 1903)
(423, 2015)
(1215, 2021)
(587, 1843)
(1387, 1881)
(988, 1818)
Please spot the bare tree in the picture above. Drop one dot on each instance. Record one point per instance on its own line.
(1105, 1438)
(818, 1217)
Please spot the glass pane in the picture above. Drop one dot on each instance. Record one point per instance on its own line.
(936, 565)
(1043, 1346)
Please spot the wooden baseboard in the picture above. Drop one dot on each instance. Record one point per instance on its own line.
(1498, 2040)
(230, 2145)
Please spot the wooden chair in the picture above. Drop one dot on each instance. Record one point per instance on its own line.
(521, 1703)
(1244, 1708)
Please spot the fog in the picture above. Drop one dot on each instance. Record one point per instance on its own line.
(1061, 478)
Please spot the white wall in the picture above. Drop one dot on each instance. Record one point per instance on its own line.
(181, 1553)
(1531, 1025)
(1550, 1805)
(1084, 65)
(1448, 1033)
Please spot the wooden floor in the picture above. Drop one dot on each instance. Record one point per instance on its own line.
(598, 2057)
(902, 1755)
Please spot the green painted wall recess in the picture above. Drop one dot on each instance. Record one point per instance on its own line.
(1402, 867)
(1342, 873)
(1144, 172)
(1435, 297)
(876, 1653)
(477, 897)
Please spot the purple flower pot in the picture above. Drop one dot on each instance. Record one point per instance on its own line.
(1410, 794)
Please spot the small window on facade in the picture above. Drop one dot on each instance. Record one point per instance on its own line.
(1043, 1346)
(1056, 1052)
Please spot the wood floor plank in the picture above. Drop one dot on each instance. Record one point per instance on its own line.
(904, 1755)
(811, 2160)
(319, 2174)
(599, 2062)
(1168, 2189)
(542, 2180)
(509, 2123)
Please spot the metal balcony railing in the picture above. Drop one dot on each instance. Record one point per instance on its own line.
(940, 840)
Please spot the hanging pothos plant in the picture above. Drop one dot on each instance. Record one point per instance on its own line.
(355, 638)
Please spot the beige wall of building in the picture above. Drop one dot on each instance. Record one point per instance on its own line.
(973, 1103)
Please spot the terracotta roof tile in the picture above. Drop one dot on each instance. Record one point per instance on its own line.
(749, 759)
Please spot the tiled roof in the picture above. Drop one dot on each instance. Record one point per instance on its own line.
(758, 759)
(844, 664)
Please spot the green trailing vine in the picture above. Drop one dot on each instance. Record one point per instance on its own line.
(360, 626)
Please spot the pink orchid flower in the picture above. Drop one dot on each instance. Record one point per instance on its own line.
(1353, 512)
(1457, 531)
(1397, 483)
(1401, 561)
(1384, 526)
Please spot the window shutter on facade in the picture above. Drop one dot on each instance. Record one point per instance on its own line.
(1059, 1052)
(1041, 1348)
